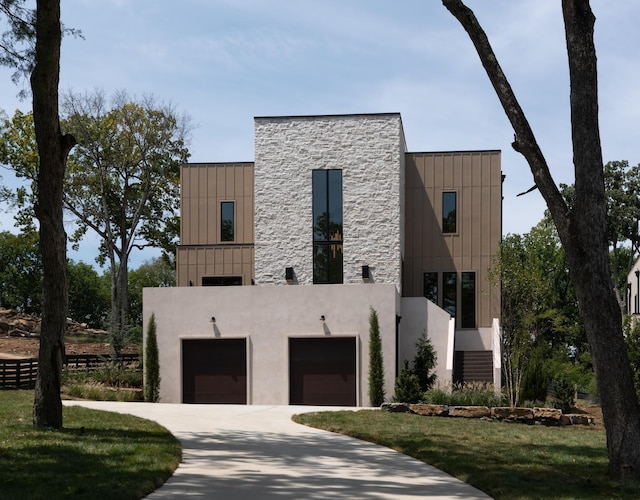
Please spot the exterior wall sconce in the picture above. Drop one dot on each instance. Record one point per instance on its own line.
(365, 274)
(288, 274)
(322, 318)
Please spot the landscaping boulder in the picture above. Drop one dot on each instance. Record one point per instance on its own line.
(551, 414)
(429, 410)
(577, 419)
(508, 413)
(396, 407)
(469, 411)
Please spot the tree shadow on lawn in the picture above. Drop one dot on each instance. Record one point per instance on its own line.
(532, 471)
(84, 463)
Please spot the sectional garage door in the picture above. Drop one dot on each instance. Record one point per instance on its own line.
(214, 371)
(322, 371)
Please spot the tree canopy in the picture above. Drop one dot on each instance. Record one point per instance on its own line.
(122, 180)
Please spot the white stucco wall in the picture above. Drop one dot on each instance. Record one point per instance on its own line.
(370, 151)
(419, 316)
(268, 316)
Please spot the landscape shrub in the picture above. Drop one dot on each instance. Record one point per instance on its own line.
(376, 367)
(95, 391)
(152, 364)
(425, 362)
(407, 389)
(564, 391)
(468, 394)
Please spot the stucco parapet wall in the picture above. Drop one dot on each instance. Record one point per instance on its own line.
(548, 416)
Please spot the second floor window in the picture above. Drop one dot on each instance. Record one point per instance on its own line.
(449, 217)
(327, 226)
(227, 221)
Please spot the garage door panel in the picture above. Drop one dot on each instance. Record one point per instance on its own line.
(214, 371)
(322, 371)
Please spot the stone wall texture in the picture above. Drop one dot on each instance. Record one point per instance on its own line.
(370, 150)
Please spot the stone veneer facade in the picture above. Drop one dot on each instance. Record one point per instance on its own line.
(370, 150)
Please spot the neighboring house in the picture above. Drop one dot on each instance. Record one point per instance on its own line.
(633, 290)
(334, 217)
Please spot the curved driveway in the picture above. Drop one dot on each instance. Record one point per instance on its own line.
(257, 452)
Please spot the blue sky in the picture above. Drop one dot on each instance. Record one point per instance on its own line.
(225, 61)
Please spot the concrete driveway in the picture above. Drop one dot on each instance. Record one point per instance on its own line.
(257, 452)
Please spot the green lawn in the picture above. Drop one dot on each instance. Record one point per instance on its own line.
(96, 455)
(505, 460)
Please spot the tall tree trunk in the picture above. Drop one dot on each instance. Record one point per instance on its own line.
(586, 245)
(582, 229)
(53, 149)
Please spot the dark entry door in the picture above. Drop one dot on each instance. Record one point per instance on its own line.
(322, 371)
(214, 371)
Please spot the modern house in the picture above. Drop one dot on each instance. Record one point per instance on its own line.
(282, 259)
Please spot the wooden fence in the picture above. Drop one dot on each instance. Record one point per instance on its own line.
(21, 373)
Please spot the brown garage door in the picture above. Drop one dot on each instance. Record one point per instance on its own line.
(214, 371)
(322, 371)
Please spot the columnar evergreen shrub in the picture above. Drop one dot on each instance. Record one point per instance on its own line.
(151, 364)
(376, 368)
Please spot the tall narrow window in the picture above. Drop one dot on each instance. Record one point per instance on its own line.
(468, 300)
(431, 287)
(227, 222)
(327, 226)
(449, 293)
(449, 217)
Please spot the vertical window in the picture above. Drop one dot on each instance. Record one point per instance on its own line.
(327, 226)
(449, 293)
(468, 300)
(430, 287)
(449, 219)
(227, 226)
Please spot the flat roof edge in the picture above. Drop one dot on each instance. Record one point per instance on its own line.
(200, 163)
(337, 115)
(459, 151)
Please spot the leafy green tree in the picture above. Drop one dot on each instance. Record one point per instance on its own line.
(632, 340)
(122, 182)
(21, 272)
(88, 297)
(622, 185)
(156, 272)
(523, 291)
(151, 363)
(376, 368)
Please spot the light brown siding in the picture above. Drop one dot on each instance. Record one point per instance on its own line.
(477, 178)
(201, 252)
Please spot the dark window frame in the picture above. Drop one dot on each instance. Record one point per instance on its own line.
(227, 234)
(221, 281)
(468, 299)
(450, 293)
(449, 214)
(327, 226)
(430, 286)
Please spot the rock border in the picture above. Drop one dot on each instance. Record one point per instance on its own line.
(531, 416)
